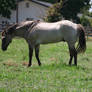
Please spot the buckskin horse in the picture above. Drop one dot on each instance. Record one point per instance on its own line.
(37, 32)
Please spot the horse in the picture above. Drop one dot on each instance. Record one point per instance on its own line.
(38, 32)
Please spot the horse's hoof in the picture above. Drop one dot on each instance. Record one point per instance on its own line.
(40, 64)
(29, 65)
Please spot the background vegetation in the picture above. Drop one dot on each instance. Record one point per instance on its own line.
(6, 6)
(68, 9)
(85, 20)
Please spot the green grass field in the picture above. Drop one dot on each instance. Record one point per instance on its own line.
(53, 76)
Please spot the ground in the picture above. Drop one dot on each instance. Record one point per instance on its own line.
(55, 75)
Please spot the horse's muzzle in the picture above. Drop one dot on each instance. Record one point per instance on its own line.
(4, 48)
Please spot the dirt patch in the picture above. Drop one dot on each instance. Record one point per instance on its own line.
(25, 63)
(10, 63)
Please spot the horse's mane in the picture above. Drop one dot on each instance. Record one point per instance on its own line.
(6, 30)
(28, 24)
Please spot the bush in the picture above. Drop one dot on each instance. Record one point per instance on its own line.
(85, 21)
(53, 13)
(69, 9)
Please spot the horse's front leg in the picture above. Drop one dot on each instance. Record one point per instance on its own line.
(37, 54)
(30, 55)
(71, 56)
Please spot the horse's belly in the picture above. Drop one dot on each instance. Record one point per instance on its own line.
(46, 42)
(49, 39)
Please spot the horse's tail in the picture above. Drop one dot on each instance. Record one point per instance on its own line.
(81, 47)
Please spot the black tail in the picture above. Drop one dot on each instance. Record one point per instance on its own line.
(82, 40)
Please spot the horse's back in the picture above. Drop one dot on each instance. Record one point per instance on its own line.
(54, 32)
(46, 33)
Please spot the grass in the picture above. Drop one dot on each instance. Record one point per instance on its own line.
(53, 76)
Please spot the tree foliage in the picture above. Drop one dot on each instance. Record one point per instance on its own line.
(54, 13)
(89, 14)
(71, 8)
(85, 21)
(6, 6)
(68, 9)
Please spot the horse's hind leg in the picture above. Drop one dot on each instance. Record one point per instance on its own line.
(73, 53)
(37, 54)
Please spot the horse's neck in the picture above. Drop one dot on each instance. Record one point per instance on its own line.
(21, 33)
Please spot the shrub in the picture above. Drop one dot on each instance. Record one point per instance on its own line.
(85, 21)
(53, 13)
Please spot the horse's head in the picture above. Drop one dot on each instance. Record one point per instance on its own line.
(7, 36)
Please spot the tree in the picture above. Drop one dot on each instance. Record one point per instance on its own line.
(6, 6)
(85, 21)
(89, 14)
(54, 13)
(69, 9)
